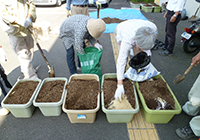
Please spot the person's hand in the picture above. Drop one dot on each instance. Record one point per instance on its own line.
(119, 92)
(68, 13)
(3, 55)
(173, 19)
(196, 59)
(98, 4)
(165, 15)
(26, 23)
(98, 46)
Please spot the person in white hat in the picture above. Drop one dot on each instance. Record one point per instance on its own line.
(74, 30)
(137, 35)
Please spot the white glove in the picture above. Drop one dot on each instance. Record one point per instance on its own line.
(26, 23)
(98, 46)
(119, 92)
(3, 55)
(68, 13)
(98, 4)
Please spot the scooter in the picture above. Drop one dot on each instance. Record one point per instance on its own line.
(191, 36)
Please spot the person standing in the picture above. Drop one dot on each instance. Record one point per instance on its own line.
(79, 7)
(16, 17)
(4, 83)
(192, 108)
(173, 16)
(136, 34)
(73, 32)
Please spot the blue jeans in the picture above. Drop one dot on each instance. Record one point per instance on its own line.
(71, 60)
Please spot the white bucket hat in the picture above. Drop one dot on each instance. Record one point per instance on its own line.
(96, 27)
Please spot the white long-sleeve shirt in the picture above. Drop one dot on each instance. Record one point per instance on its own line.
(176, 5)
(126, 37)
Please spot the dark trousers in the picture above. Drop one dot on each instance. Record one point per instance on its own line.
(170, 31)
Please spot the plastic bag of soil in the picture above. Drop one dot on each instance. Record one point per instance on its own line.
(90, 61)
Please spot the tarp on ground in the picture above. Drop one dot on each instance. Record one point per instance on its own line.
(122, 14)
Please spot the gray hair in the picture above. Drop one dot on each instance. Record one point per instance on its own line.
(145, 38)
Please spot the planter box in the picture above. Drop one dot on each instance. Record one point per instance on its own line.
(135, 5)
(21, 110)
(50, 108)
(118, 116)
(158, 116)
(147, 9)
(82, 116)
(156, 9)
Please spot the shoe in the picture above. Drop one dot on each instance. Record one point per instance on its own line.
(165, 53)
(162, 46)
(185, 132)
(3, 111)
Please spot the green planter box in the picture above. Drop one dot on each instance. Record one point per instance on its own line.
(118, 116)
(50, 108)
(147, 9)
(156, 9)
(158, 116)
(135, 5)
(21, 110)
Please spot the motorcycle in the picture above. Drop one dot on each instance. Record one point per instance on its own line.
(191, 36)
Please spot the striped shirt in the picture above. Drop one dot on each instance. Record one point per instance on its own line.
(73, 31)
(126, 37)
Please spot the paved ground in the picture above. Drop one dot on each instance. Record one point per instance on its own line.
(41, 127)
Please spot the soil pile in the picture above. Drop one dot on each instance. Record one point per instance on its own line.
(156, 94)
(51, 91)
(82, 94)
(109, 88)
(22, 93)
(108, 20)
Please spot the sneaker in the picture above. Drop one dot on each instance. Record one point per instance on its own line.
(3, 111)
(165, 53)
(185, 132)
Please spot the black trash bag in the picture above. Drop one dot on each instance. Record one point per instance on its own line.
(140, 60)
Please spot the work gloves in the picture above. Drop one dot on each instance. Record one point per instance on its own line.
(98, 4)
(98, 46)
(3, 55)
(26, 23)
(119, 93)
(68, 13)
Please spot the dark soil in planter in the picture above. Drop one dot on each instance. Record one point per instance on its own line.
(151, 90)
(109, 88)
(22, 93)
(82, 94)
(51, 91)
(108, 20)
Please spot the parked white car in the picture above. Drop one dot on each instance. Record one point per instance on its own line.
(48, 2)
(104, 3)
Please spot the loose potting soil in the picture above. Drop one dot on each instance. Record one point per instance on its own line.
(82, 94)
(109, 88)
(51, 91)
(155, 91)
(109, 20)
(22, 93)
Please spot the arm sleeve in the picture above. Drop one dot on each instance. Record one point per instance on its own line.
(68, 4)
(180, 6)
(79, 41)
(32, 11)
(122, 59)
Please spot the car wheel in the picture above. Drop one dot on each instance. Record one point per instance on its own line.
(58, 3)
